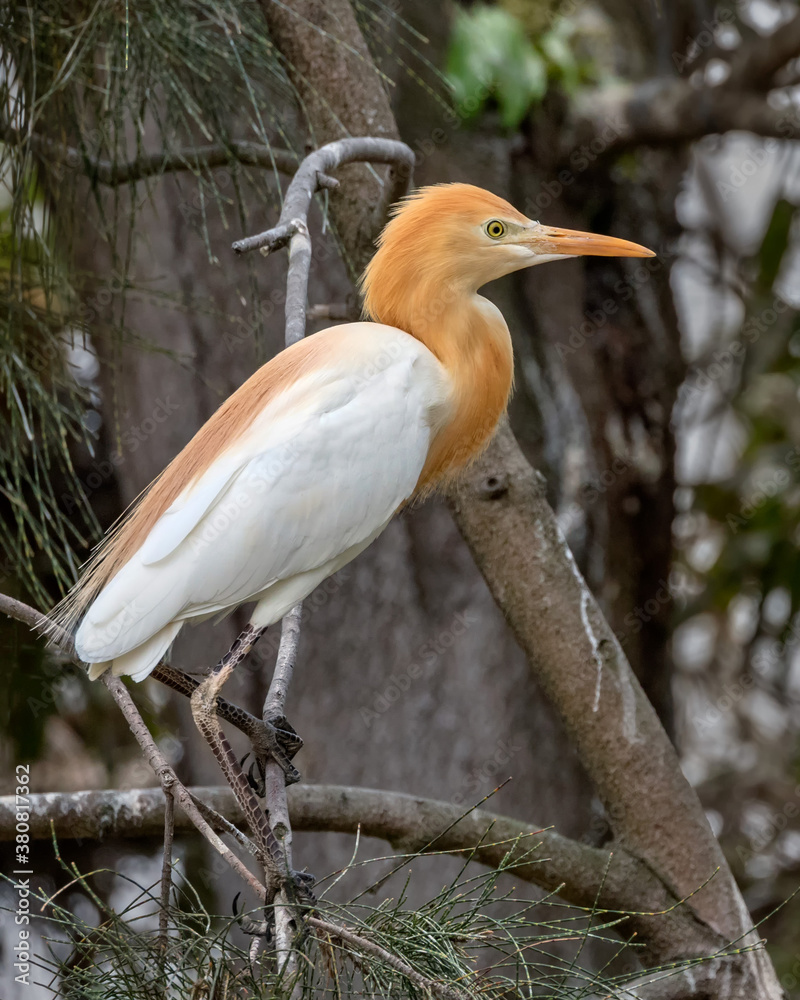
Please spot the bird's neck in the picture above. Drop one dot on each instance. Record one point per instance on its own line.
(469, 336)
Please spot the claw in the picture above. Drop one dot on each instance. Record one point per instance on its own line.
(254, 928)
(255, 778)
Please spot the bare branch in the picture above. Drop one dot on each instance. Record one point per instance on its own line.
(275, 702)
(194, 158)
(613, 879)
(306, 181)
(668, 111)
(577, 659)
(275, 790)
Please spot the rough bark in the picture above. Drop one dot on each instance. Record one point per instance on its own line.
(501, 509)
(322, 42)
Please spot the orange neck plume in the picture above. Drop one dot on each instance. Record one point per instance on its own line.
(416, 291)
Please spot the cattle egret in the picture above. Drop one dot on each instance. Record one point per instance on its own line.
(307, 462)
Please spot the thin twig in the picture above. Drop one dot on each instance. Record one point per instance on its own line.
(275, 792)
(165, 773)
(166, 869)
(275, 702)
(350, 937)
(220, 822)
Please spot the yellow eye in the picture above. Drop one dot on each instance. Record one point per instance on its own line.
(495, 229)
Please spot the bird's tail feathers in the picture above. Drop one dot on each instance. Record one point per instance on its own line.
(140, 662)
(60, 624)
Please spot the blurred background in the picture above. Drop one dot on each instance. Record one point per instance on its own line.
(659, 399)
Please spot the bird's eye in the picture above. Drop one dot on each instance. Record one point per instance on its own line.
(496, 229)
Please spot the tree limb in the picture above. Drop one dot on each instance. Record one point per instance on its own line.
(668, 111)
(587, 876)
(654, 812)
(755, 63)
(170, 783)
(113, 174)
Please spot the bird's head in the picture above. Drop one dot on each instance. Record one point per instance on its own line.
(461, 237)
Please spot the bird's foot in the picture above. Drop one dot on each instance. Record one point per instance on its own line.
(298, 887)
(304, 883)
(277, 740)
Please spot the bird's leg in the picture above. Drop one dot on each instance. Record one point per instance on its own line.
(204, 709)
(274, 738)
(185, 684)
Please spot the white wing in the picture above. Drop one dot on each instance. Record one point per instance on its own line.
(315, 478)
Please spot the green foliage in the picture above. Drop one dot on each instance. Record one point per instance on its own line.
(774, 244)
(491, 56)
(113, 82)
(43, 405)
(472, 936)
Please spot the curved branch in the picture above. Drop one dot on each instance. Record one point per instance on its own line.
(586, 876)
(317, 165)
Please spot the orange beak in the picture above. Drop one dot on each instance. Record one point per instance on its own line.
(549, 239)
